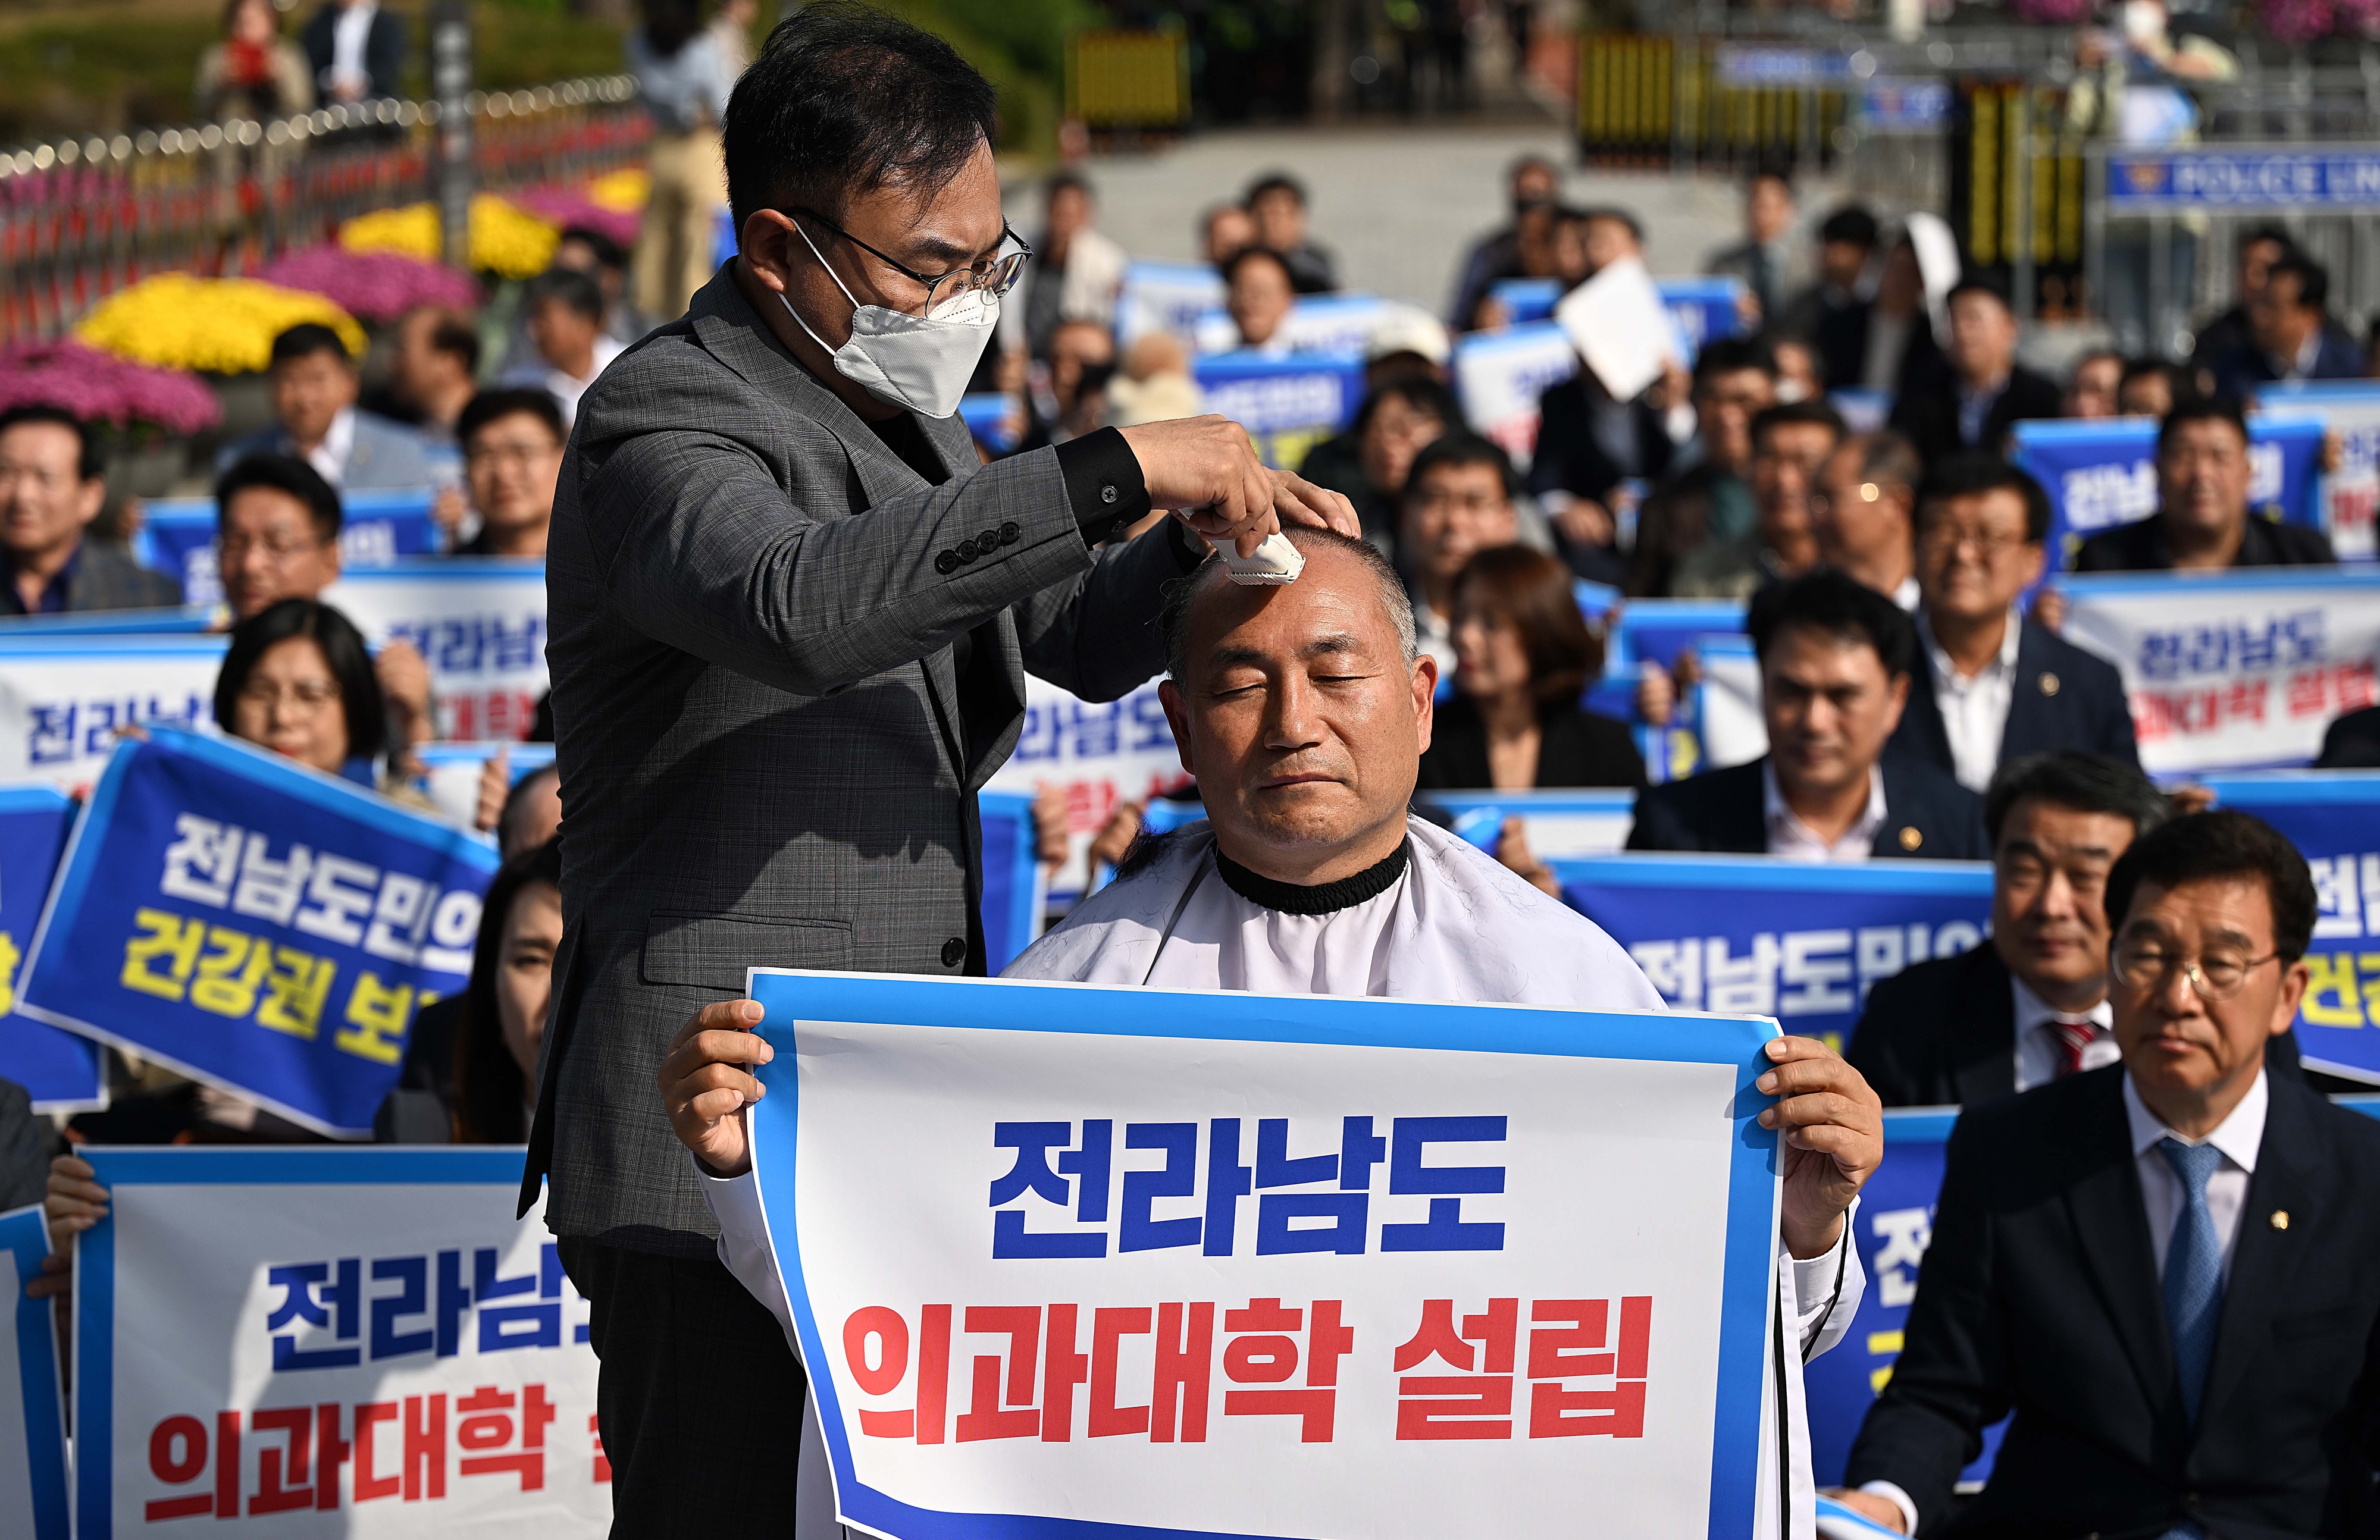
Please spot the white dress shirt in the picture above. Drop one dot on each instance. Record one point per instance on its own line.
(330, 456)
(2238, 1136)
(1908, 595)
(1796, 840)
(2040, 1051)
(1887, 343)
(350, 31)
(1974, 709)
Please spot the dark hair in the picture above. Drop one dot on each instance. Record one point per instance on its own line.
(517, 798)
(569, 286)
(670, 25)
(1982, 283)
(1273, 181)
(489, 1085)
(1770, 170)
(452, 335)
(1061, 180)
(1885, 455)
(1852, 225)
(1459, 446)
(1730, 354)
(1787, 414)
(607, 252)
(282, 473)
(1421, 392)
(1613, 210)
(508, 401)
(88, 463)
(1828, 602)
(1973, 473)
(2267, 233)
(844, 99)
(1532, 593)
(2088, 354)
(342, 650)
(1246, 254)
(2178, 379)
(2314, 280)
(307, 338)
(2194, 407)
(2206, 846)
(2084, 783)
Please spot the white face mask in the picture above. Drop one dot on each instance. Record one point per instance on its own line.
(920, 362)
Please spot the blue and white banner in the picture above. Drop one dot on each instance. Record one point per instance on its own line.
(1099, 755)
(256, 925)
(60, 1070)
(1144, 1219)
(1500, 375)
(479, 621)
(33, 1408)
(1905, 107)
(2332, 817)
(1288, 403)
(62, 697)
(2350, 410)
(177, 537)
(1748, 935)
(1559, 825)
(1013, 893)
(311, 1342)
(1701, 309)
(2237, 671)
(1656, 630)
(2243, 180)
(1771, 65)
(2102, 473)
(453, 781)
(1166, 297)
(995, 420)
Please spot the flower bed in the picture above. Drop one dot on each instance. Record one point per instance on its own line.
(213, 325)
(377, 287)
(505, 240)
(101, 387)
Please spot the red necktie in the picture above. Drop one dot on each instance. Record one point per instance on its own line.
(2073, 1035)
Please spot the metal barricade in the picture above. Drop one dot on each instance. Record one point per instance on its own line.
(82, 218)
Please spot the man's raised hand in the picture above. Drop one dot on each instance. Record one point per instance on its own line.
(1207, 471)
(705, 1086)
(1831, 1127)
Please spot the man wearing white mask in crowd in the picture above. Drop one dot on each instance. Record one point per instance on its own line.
(1302, 711)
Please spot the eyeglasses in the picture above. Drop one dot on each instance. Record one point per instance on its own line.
(308, 695)
(2216, 977)
(1942, 539)
(510, 454)
(991, 277)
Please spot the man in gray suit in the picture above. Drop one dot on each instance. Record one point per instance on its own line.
(314, 387)
(791, 615)
(53, 484)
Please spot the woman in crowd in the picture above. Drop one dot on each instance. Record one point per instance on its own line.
(502, 1013)
(1370, 461)
(298, 680)
(253, 73)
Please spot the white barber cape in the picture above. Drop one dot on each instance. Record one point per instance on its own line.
(1439, 920)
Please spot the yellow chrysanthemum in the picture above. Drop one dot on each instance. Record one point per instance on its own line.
(505, 240)
(219, 325)
(625, 191)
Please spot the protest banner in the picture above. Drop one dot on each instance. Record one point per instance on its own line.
(453, 777)
(32, 1412)
(1302, 1338)
(307, 1342)
(1559, 825)
(59, 1070)
(1498, 377)
(2332, 817)
(1288, 403)
(256, 925)
(1166, 297)
(1014, 894)
(1727, 702)
(2236, 670)
(62, 697)
(187, 620)
(1750, 935)
(177, 535)
(994, 420)
(2102, 473)
(2349, 493)
(1098, 754)
(479, 622)
(1656, 630)
(1700, 309)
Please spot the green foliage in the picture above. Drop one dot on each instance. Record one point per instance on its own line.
(1031, 31)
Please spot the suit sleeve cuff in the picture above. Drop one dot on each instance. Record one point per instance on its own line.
(1898, 1498)
(1103, 483)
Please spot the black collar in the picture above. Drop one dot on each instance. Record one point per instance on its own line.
(1323, 898)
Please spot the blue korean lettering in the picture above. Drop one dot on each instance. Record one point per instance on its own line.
(52, 741)
(550, 1274)
(1150, 732)
(515, 649)
(1096, 730)
(1090, 1166)
(543, 1321)
(411, 1298)
(1360, 1149)
(462, 645)
(1038, 738)
(1347, 1211)
(452, 1300)
(312, 1299)
(1178, 1179)
(1227, 1182)
(2161, 655)
(1445, 1230)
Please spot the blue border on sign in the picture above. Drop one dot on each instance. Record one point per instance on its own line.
(1007, 1005)
(447, 569)
(2294, 788)
(2165, 585)
(117, 1167)
(23, 1232)
(1769, 874)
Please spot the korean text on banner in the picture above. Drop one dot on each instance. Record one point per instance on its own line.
(62, 698)
(177, 537)
(320, 1341)
(1501, 375)
(256, 925)
(1746, 934)
(1258, 1267)
(2239, 670)
(1289, 403)
(1098, 754)
(2332, 817)
(2350, 410)
(33, 1416)
(59, 1068)
(2099, 475)
(480, 623)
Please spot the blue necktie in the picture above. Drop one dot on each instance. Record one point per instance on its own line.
(2193, 1270)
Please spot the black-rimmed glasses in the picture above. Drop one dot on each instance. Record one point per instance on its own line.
(991, 277)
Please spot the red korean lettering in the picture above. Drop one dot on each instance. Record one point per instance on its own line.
(602, 1461)
(284, 1481)
(330, 1451)
(178, 1456)
(2307, 693)
(933, 1373)
(987, 1415)
(1110, 1325)
(1466, 1405)
(425, 1447)
(1185, 1360)
(882, 1326)
(1062, 1368)
(369, 1483)
(484, 1421)
(1268, 1356)
(227, 1464)
(1566, 1342)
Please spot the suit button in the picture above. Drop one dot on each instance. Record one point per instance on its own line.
(986, 542)
(1011, 532)
(1108, 493)
(947, 562)
(967, 550)
(953, 953)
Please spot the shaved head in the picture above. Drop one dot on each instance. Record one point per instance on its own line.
(1210, 574)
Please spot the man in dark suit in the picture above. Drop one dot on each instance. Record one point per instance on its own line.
(1979, 392)
(2202, 522)
(53, 484)
(2290, 334)
(2352, 742)
(356, 50)
(791, 616)
(2162, 1267)
(1995, 685)
(1835, 657)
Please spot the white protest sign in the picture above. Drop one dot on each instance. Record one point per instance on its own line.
(1727, 702)
(330, 1343)
(2351, 489)
(1165, 297)
(479, 621)
(2242, 671)
(1097, 754)
(1500, 375)
(33, 1425)
(62, 698)
(1618, 324)
(1364, 1269)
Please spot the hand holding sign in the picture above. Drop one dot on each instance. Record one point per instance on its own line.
(706, 1090)
(1833, 1134)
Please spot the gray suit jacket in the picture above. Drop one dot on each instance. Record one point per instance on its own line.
(106, 578)
(385, 455)
(768, 758)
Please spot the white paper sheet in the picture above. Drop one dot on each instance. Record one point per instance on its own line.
(1618, 324)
